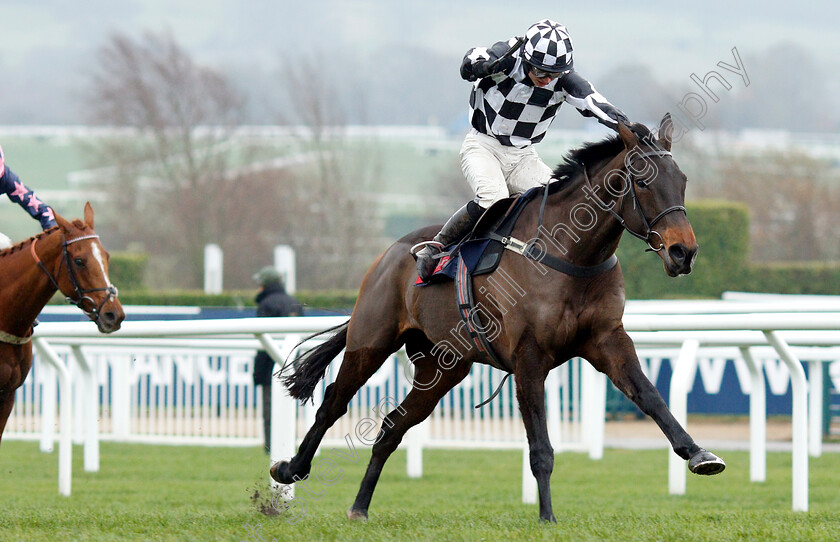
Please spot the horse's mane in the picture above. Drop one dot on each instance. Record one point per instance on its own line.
(26, 242)
(596, 151)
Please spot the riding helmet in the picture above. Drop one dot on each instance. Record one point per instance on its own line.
(548, 47)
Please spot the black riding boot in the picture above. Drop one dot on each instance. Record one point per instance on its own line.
(459, 225)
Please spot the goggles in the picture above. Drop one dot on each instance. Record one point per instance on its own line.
(539, 74)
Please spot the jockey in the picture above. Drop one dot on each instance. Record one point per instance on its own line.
(518, 87)
(19, 193)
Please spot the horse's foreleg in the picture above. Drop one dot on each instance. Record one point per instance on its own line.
(431, 383)
(615, 355)
(7, 402)
(531, 370)
(358, 366)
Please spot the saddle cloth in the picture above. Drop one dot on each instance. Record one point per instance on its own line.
(480, 253)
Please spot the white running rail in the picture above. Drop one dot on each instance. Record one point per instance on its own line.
(240, 337)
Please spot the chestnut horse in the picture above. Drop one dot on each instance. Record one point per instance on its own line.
(541, 318)
(69, 258)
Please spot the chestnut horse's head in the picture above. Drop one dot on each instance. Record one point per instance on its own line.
(653, 206)
(85, 282)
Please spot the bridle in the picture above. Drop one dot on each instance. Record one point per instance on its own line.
(81, 298)
(637, 206)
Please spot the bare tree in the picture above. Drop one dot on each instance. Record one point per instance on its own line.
(173, 171)
(793, 204)
(184, 174)
(334, 225)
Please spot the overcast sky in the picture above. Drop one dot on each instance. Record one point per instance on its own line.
(48, 44)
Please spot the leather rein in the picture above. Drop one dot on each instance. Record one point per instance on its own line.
(637, 206)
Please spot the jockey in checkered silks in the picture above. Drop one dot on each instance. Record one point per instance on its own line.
(19, 193)
(518, 87)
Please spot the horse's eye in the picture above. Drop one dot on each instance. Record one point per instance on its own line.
(79, 262)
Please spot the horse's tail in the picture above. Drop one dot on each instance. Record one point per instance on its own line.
(312, 365)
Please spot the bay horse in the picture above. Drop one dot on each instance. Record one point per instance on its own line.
(542, 317)
(69, 258)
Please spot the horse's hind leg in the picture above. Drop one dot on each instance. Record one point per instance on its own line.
(358, 366)
(431, 382)
(615, 355)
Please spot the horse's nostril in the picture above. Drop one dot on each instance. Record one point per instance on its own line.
(677, 253)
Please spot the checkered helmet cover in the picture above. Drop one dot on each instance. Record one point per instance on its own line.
(548, 46)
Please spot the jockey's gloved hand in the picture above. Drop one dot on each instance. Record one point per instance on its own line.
(474, 70)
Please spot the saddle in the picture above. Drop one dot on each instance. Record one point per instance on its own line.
(481, 251)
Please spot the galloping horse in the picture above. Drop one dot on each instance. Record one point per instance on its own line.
(69, 258)
(542, 317)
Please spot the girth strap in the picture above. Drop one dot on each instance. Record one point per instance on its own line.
(530, 251)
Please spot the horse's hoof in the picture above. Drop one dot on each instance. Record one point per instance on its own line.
(548, 519)
(706, 463)
(357, 515)
(280, 473)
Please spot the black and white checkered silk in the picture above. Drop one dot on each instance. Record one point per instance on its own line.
(548, 46)
(508, 106)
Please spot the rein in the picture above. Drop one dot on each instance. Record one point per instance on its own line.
(81, 299)
(532, 252)
(648, 224)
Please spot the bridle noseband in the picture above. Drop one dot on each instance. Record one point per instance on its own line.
(648, 224)
(81, 297)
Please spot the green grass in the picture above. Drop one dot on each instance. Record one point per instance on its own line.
(192, 493)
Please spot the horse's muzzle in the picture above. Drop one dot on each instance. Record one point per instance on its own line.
(679, 259)
(110, 317)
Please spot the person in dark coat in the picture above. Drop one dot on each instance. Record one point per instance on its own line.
(272, 301)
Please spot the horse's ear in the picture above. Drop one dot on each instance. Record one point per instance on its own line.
(89, 215)
(62, 222)
(627, 136)
(666, 132)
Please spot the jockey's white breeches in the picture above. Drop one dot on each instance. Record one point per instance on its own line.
(495, 171)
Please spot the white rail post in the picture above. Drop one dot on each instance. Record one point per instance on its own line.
(284, 262)
(529, 482)
(815, 403)
(553, 406)
(800, 420)
(758, 418)
(213, 268)
(594, 409)
(90, 393)
(65, 443)
(416, 436)
(120, 398)
(283, 436)
(682, 380)
(78, 380)
(49, 404)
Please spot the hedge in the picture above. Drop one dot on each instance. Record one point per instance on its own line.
(127, 269)
(721, 228)
(328, 300)
(811, 278)
(722, 231)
